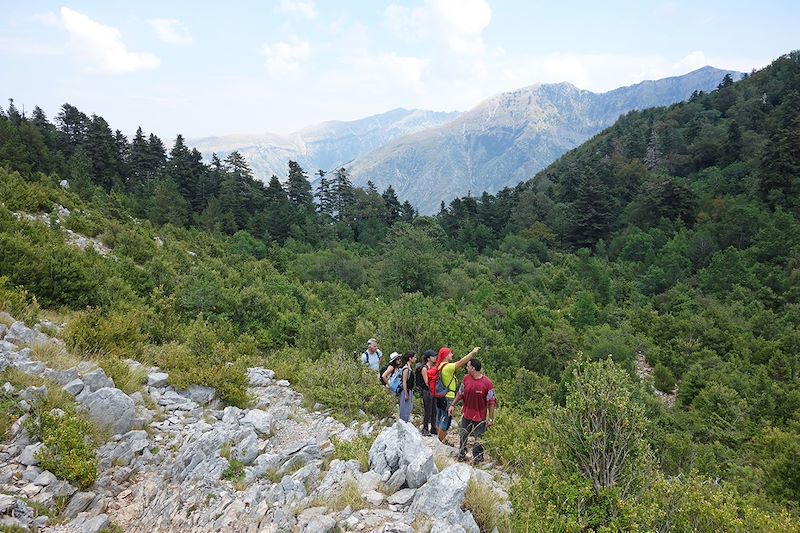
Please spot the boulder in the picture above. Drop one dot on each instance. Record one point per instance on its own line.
(78, 503)
(45, 478)
(402, 497)
(260, 420)
(110, 408)
(28, 455)
(74, 387)
(441, 498)
(19, 333)
(62, 377)
(96, 380)
(200, 394)
(400, 447)
(157, 379)
(31, 394)
(335, 478)
(96, 524)
(260, 377)
(32, 368)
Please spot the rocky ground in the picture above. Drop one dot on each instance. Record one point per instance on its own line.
(179, 461)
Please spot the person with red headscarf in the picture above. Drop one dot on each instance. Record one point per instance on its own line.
(447, 375)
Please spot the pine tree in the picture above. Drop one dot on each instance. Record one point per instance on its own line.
(297, 186)
(392, 205)
(407, 212)
(101, 147)
(156, 156)
(342, 193)
(73, 125)
(653, 158)
(138, 157)
(323, 195)
(593, 216)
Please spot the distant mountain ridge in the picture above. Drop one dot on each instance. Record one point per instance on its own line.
(509, 137)
(322, 146)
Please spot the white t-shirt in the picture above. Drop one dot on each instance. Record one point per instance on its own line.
(373, 360)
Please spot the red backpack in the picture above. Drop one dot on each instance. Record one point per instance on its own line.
(437, 388)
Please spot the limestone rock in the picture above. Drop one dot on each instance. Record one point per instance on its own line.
(157, 379)
(74, 387)
(110, 408)
(28, 456)
(260, 420)
(441, 498)
(19, 333)
(78, 503)
(96, 380)
(400, 447)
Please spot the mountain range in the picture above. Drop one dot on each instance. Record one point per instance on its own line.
(326, 146)
(429, 157)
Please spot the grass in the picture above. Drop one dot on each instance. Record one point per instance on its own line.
(442, 462)
(54, 355)
(349, 496)
(484, 505)
(357, 449)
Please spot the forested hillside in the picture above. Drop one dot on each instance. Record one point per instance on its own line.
(673, 234)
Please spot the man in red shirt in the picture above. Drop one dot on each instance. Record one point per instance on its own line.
(477, 393)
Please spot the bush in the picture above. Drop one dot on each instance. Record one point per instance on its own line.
(186, 368)
(115, 334)
(663, 379)
(356, 449)
(600, 429)
(346, 387)
(17, 302)
(67, 452)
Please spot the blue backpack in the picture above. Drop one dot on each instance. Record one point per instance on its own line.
(396, 381)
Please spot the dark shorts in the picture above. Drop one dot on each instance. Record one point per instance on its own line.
(443, 420)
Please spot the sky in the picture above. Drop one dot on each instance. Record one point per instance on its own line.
(205, 68)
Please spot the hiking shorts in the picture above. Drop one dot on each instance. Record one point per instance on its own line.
(442, 418)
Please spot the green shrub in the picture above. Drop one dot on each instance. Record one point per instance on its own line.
(67, 452)
(185, 368)
(345, 386)
(356, 449)
(9, 411)
(663, 379)
(17, 302)
(114, 334)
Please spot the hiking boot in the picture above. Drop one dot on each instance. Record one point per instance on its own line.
(462, 458)
(425, 433)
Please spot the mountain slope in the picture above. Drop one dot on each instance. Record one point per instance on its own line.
(509, 137)
(326, 145)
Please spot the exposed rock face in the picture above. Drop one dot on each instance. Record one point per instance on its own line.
(197, 468)
(441, 499)
(399, 451)
(111, 408)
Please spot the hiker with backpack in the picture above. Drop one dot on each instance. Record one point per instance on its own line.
(372, 355)
(408, 380)
(389, 370)
(443, 384)
(477, 393)
(421, 381)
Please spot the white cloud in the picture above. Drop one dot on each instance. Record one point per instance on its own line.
(307, 9)
(285, 57)
(171, 31)
(459, 24)
(102, 45)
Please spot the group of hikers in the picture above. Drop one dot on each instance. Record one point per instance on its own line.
(434, 378)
